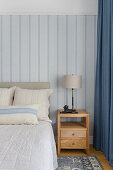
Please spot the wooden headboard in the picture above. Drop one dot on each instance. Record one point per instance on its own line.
(26, 85)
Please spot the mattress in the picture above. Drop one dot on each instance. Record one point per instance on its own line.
(27, 147)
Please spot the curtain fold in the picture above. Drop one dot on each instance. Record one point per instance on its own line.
(103, 108)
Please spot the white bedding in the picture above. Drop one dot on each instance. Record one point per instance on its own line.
(27, 147)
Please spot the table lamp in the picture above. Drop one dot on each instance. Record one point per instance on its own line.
(73, 82)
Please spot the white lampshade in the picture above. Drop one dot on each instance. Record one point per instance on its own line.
(72, 81)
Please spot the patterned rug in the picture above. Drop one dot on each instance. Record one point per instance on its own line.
(78, 163)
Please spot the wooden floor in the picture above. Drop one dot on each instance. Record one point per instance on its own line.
(93, 152)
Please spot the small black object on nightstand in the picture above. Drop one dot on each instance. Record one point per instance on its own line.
(67, 110)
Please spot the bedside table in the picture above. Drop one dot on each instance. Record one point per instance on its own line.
(73, 135)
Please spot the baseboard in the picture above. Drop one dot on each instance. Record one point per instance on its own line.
(91, 139)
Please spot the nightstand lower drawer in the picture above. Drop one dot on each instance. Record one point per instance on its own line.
(79, 143)
(73, 133)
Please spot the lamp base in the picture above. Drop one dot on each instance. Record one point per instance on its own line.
(66, 110)
(70, 111)
(73, 111)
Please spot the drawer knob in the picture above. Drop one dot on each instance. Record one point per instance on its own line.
(73, 134)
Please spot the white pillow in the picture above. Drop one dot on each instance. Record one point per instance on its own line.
(6, 96)
(42, 110)
(28, 97)
(19, 115)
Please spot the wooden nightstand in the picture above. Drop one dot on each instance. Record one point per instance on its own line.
(73, 135)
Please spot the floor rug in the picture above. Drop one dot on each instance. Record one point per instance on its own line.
(78, 163)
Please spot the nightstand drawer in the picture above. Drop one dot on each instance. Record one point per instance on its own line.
(73, 133)
(73, 144)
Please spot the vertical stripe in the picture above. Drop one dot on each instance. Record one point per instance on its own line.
(75, 44)
(57, 60)
(1, 49)
(85, 57)
(39, 48)
(10, 48)
(29, 48)
(48, 49)
(95, 49)
(19, 48)
(76, 58)
(67, 55)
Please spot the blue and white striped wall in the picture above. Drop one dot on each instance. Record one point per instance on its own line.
(44, 48)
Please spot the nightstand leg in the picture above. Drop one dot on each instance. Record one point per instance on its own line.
(59, 134)
(87, 126)
(87, 151)
(58, 150)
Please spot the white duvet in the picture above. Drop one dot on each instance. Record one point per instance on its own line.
(27, 147)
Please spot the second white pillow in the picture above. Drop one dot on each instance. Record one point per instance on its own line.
(29, 97)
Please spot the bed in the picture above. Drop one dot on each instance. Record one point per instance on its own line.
(27, 147)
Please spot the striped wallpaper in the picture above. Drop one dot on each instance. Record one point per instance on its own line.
(44, 48)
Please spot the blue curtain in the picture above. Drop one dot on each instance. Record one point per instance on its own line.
(103, 110)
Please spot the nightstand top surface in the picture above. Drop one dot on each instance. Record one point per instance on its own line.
(81, 113)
